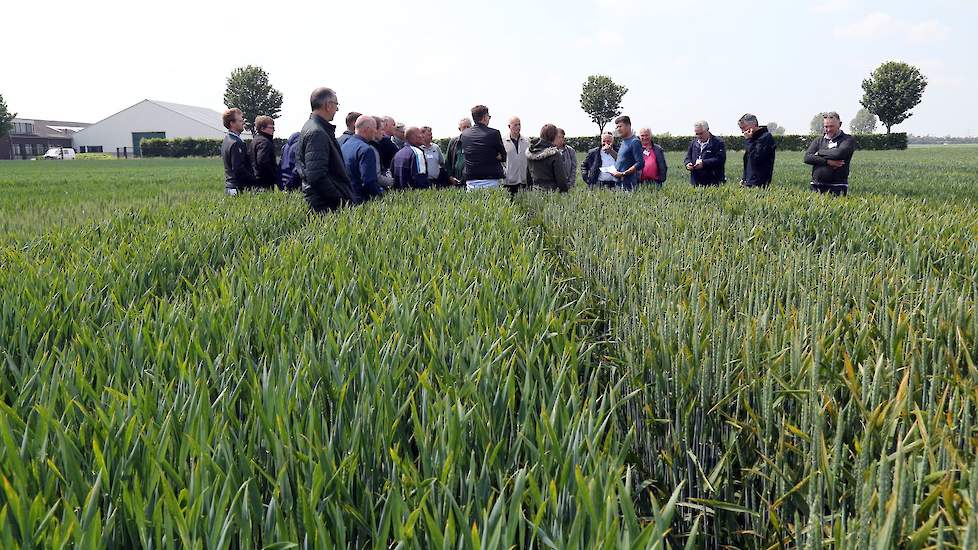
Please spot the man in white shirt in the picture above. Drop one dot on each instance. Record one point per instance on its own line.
(516, 161)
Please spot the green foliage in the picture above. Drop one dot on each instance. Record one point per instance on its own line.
(601, 99)
(249, 89)
(816, 125)
(892, 90)
(708, 368)
(775, 129)
(6, 118)
(863, 123)
(189, 147)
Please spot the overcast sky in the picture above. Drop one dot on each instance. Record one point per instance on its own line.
(429, 62)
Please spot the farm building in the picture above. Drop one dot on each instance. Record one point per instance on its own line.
(149, 119)
(31, 138)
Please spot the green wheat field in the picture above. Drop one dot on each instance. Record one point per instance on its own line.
(719, 368)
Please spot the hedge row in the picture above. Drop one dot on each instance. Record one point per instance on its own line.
(191, 147)
(871, 142)
(187, 147)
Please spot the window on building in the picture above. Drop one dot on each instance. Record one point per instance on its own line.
(24, 128)
(16, 150)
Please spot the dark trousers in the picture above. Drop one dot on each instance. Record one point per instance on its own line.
(834, 189)
(650, 183)
(320, 204)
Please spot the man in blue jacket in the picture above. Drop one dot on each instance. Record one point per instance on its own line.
(410, 170)
(630, 159)
(290, 178)
(706, 157)
(759, 153)
(361, 160)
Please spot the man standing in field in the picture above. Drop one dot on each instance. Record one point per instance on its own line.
(829, 157)
(630, 161)
(351, 120)
(568, 156)
(361, 159)
(410, 170)
(261, 152)
(433, 157)
(516, 161)
(758, 153)
(386, 146)
(238, 172)
(455, 161)
(484, 152)
(318, 159)
(706, 157)
(598, 158)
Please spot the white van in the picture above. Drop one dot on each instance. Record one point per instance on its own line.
(60, 153)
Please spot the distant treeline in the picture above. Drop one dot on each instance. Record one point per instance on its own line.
(938, 140)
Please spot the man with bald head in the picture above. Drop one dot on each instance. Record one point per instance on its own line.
(410, 170)
(361, 159)
(516, 161)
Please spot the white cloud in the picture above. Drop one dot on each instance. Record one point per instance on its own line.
(877, 25)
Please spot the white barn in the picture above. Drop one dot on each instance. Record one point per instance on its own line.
(149, 119)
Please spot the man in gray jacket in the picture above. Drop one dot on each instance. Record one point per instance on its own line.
(516, 162)
(318, 160)
(569, 155)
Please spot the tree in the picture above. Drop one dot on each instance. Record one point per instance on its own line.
(250, 90)
(601, 98)
(775, 129)
(817, 124)
(863, 123)
(892, 90)
(6, 118)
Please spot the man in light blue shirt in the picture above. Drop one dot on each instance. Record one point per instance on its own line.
(630, 158)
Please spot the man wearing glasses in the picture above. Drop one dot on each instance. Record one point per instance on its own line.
(706, 157)
(262, 153)
(484, 152)
(319, 162)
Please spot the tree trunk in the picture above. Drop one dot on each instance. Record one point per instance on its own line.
(888, 128)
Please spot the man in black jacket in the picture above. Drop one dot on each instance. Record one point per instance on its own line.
(262, 153)
(484, 152)
(759, 153)
(238, 174)
(318, 159)
(829, 156)
(706, 157)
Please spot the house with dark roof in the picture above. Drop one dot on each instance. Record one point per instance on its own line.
(30, 138)
(149, 119)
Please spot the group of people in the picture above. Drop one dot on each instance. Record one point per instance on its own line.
(375, 155)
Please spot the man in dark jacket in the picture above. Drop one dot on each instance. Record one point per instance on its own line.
(351, 120)
(759, 153)
(325, 183)
(361, 160)
(829, 156)
(546, 162)
(598, 158)
(261, 152)
(706, 157)
(386, 145)
(484, 152)
(455, 157)
(290, 178)
(410, 170)
(238, 173)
